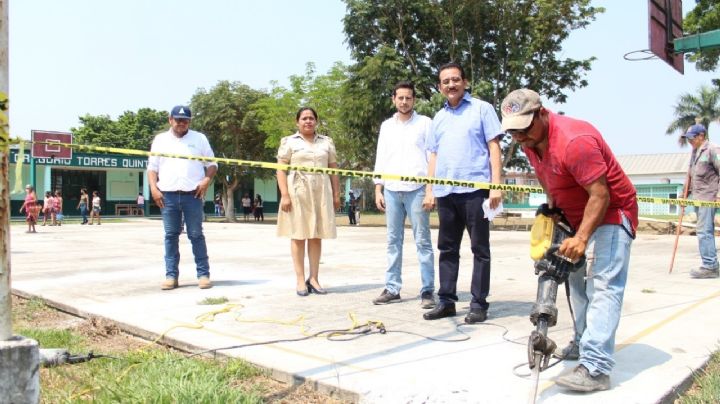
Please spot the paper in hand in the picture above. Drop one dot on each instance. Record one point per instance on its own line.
(491, 213)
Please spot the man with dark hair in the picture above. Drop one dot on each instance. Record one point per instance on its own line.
(581, 177)
(401, 150)
(464, 144)
(704, 179)
(178, 188)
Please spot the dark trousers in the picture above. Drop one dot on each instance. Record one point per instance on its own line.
(458, 212)
(351, 215)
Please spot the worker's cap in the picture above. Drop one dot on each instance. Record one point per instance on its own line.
(695, 130)
(518, 108)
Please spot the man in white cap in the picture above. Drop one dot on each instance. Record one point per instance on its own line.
(178, 188)
(704, 181)
(581, 176)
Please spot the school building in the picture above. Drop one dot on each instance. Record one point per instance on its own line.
(657, 175)
(117, 178)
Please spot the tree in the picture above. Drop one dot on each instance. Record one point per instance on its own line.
(691, 108)
(367, 102)
(324, 93)
(224, 114)
(502, 44)
(704, 17)
(132, 130)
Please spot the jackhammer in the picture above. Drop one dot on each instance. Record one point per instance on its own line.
(550, 229)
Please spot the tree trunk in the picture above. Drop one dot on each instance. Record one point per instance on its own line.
(229, 200)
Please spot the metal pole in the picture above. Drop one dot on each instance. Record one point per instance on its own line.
(5, 298)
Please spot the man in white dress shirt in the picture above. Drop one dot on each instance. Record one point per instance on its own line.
(178, 188)
(401, 150)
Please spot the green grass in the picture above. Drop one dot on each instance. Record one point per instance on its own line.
(151, 375)
(54, 338)
(706, 389)
(213, 300)
(27, 312)
(662, 217)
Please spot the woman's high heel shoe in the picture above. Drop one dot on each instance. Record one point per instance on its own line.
(313, 289)
(302, 293)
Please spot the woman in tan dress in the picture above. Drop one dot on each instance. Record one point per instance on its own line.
(308, 200)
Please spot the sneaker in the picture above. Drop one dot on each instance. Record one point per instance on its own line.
(581, 380)
(476, 316)
(704, 273)
(386, 297)
(204, 282)
(571, 352)
(426, 300)
(169, 283)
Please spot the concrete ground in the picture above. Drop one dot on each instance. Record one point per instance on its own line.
(668, 330)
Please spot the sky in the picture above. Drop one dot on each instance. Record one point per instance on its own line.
(76, 57)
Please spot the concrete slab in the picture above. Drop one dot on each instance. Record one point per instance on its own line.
(668, 329)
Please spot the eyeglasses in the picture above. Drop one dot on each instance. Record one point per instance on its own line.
(448, 80)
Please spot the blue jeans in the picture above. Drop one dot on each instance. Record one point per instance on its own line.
(706, 237)
(597, 296)
(398, 205)
(83, 213)
(177, 206)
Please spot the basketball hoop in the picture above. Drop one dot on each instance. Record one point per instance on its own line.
(638, 55)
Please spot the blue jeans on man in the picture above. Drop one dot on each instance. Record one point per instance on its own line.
(597, 296)
(458, 212)
(177, 206)
(398, 206)
(705, 229)
(83, 213)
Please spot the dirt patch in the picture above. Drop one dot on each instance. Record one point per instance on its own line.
(106, 337)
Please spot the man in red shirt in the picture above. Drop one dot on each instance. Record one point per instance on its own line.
(581, 176)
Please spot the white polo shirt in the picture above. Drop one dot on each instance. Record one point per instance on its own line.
(401, 150)
(176, 174)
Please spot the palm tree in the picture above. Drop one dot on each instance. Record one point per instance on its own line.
(690, 109)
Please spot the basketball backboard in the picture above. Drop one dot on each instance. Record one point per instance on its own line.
(40, 150)
(665, 25)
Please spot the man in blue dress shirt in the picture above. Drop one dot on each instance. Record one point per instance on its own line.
(464, 145)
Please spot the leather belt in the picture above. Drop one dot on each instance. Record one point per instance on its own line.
(180, 192)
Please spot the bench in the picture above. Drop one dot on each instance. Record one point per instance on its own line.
(130, 209)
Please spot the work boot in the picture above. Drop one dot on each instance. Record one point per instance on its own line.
(476, 316)
(581, 380)
(169, 283)
(386, 297)
(704, 273)
(427, 301)
(571, 352)
(204, 282)
(440, 311)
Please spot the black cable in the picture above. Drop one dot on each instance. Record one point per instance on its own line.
(357, 332)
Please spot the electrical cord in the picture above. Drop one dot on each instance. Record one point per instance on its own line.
(357, 331)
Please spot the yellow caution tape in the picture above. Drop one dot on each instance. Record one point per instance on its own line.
(357, 174)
